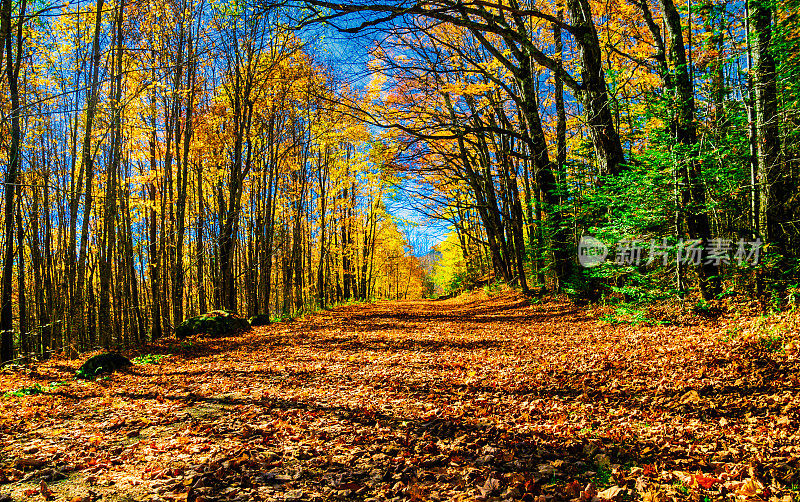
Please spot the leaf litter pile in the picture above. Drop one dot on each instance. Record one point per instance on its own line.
(474, 398)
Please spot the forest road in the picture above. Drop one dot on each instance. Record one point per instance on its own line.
(478, 397)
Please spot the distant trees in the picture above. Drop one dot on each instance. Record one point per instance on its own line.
(168, 159)
(545, 122)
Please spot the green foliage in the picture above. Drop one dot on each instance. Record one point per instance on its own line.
(459, 281)
(603, 476)
(702, 307)
(493, 287)
(731, 334)
(681, 487)
(634, 203)
(771, 343)
(786, 50)
(451, 273)
(149, 359)
(629, 314)
(641, 202)
(639, 205)
(428, 287)
(631, 207)
(34, 390)
(793, 295)
(283, 317)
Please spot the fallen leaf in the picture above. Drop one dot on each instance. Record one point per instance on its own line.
(611, 493)
(750, 488)
(706, 482)
(45, 490)
(589, 492)
(691, 397)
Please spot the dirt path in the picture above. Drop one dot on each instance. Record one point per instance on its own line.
(487, 398)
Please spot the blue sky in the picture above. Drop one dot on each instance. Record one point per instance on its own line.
(349, 55)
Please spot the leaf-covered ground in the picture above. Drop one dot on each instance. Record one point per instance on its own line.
(467, 399)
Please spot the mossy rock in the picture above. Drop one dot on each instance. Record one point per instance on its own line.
(102, 363)
(259, 320)
(214, 324)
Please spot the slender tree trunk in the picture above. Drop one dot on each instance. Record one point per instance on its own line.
(153, 254)
(199, 246)
(133, 281)
(87, 162)
(561, 114)
(24, 339)
(13, 56)
(40, 287)
(322, 173)
(50, 313)
(183, 173)
(109, 243)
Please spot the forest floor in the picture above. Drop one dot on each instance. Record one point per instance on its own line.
(474, 398)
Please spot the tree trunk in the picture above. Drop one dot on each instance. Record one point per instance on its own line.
(14, 167)
(87, 163)
(109, 243)
(594, 95)
(684, 130)
(773, 189)
(24, 339)
(199, 246)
